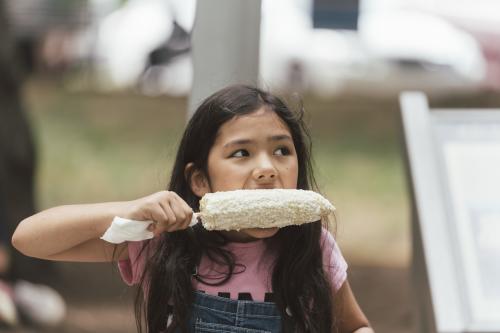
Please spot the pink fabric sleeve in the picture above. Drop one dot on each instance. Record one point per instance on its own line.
(333, 262)
(131, 269)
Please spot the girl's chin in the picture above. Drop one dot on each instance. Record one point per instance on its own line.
(250, 235)
(260, 233)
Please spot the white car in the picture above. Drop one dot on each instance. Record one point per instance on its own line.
(393, 50)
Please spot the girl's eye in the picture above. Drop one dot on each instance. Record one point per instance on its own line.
(283, 151)
(240, 153)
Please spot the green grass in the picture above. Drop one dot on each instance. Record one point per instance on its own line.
(105, 147)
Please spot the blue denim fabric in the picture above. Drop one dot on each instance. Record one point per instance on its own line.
(213, 314)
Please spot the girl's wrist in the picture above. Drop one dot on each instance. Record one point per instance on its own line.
(109, 211)
(121, 209)
(126, 210)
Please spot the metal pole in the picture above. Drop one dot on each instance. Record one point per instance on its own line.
(225, 46)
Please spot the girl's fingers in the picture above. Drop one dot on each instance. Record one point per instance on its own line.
(172, 219)
(176, 205)
(169, 212)
(187, 222)
(179, 216)
(159, 217)
(186, 211)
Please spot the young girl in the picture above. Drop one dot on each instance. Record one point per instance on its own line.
(291, 279)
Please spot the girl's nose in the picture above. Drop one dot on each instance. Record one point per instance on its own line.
(265, 174)
(265, 170)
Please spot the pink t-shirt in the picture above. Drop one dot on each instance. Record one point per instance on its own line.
(252, 279)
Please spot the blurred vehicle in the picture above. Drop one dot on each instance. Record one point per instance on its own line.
(422, 51)
(145, 44)
(480, 19)
(393, 50)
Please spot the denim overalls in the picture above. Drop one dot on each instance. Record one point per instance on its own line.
(213, 314)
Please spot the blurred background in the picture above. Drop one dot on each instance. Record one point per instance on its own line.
(104, 86)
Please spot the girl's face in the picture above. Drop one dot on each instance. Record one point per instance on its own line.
(253, 151)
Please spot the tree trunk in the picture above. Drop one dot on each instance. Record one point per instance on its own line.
(17, 156)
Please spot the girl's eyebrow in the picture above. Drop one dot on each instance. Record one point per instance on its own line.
(280, 137)
(237, 142)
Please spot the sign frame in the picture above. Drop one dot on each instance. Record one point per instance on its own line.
(442, 288)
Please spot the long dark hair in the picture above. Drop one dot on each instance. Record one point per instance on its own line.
(299, 282)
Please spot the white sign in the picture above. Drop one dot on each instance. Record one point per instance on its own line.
(473, 171)
(454, 169)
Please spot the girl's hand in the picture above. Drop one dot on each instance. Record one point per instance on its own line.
(166, 209)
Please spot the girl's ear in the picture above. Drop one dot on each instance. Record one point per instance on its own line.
(197, 180)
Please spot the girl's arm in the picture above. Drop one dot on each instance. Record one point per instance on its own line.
(72, 233)
(351, 317)
(69, 232)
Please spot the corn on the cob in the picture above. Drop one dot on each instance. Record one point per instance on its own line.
(235, 210)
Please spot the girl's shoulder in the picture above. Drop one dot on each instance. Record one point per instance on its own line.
(333, 261)
(327, 240)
